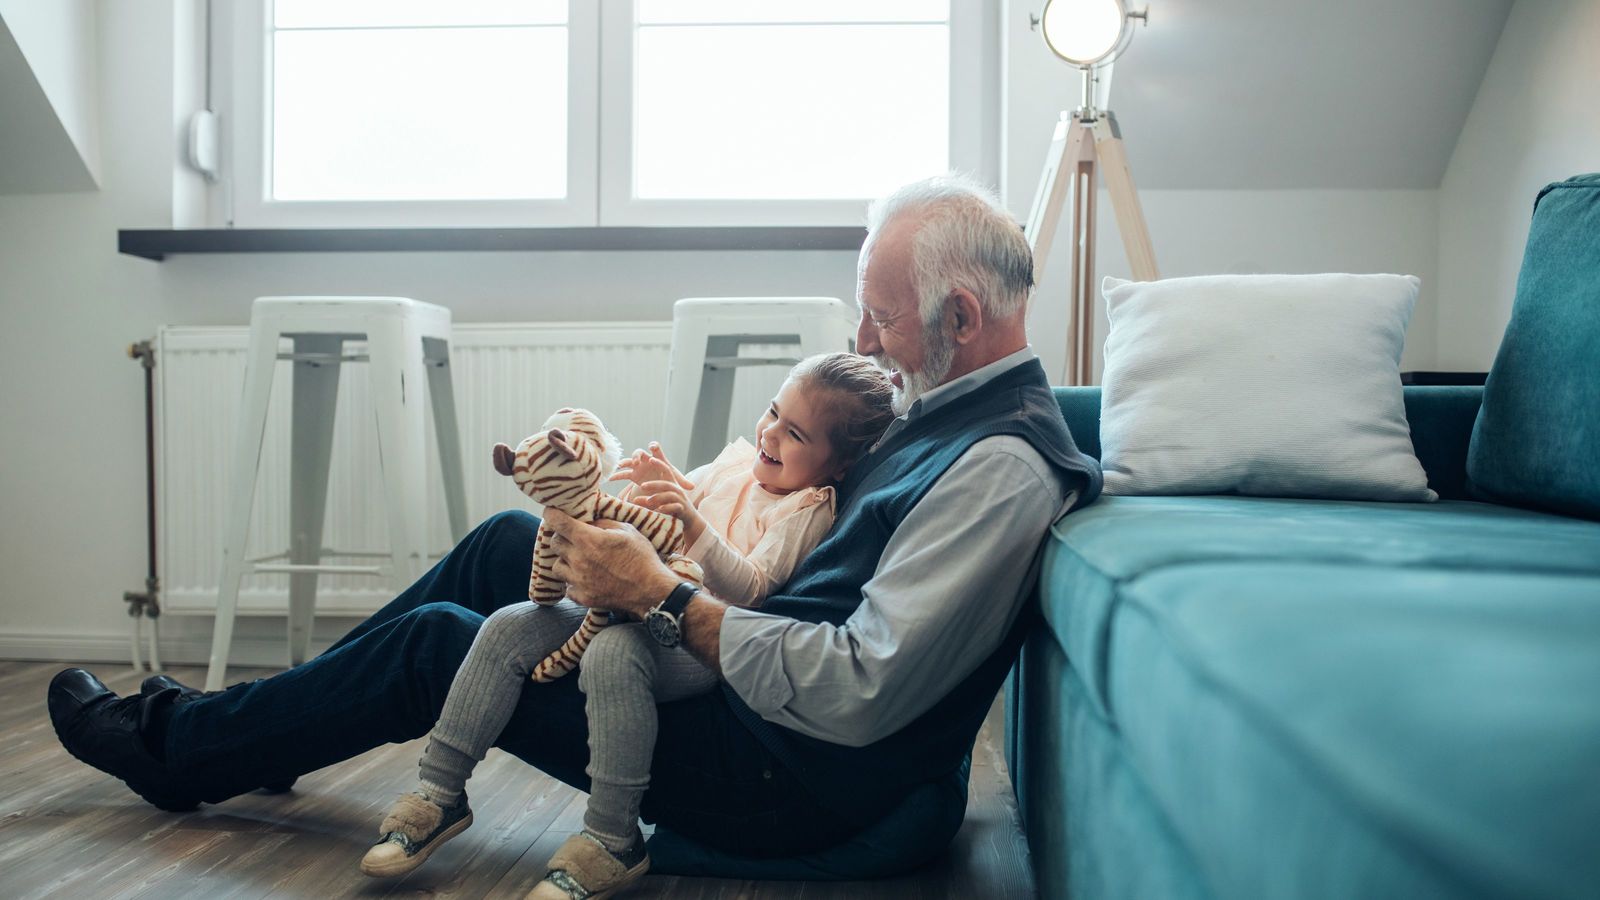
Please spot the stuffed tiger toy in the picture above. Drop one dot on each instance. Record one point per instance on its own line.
(562, 467)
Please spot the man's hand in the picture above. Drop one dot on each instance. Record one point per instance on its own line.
(608, 564)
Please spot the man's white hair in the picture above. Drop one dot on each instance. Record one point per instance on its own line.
(967, 240)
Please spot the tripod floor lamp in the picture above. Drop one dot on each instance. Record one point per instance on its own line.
(1089, 34)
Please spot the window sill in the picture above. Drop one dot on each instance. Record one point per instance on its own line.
(157, 244)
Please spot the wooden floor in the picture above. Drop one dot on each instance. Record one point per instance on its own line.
(67, 830)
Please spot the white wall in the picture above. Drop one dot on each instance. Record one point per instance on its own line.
(1207, 231)
(1210, 232)
(1536, 120)
(71, 402)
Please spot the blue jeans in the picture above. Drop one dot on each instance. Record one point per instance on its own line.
(386, 681)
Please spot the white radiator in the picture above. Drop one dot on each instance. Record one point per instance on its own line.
(508, 378)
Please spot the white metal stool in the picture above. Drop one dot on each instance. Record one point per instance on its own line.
(706, 335)
(408, 355)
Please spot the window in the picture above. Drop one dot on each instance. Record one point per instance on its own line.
(594, 112)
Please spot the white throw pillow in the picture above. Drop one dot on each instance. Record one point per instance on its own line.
(1271, 385)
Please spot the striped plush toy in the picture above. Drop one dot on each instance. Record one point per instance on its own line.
(562, 467)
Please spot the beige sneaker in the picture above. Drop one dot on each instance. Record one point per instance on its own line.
(583, 868)
(413, 829)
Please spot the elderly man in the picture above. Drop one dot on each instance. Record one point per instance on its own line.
(865, 677)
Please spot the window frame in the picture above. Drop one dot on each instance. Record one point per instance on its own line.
(250, 136)
(599, 135)
(618, 206)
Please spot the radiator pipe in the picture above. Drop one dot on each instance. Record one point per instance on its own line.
(146, 604)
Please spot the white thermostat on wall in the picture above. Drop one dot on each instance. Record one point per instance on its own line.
(203, 143)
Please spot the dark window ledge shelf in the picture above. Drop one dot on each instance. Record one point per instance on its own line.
(158, 244)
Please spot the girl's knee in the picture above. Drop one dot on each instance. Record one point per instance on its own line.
(617, 652)
(516, 617)
(525, 632)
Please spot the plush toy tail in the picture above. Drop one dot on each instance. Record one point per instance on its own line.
(543, 586)
(566, 657)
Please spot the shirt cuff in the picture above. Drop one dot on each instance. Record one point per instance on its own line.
(697, 552)
(751, 653)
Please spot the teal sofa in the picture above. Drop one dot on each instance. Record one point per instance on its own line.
(1240, 697)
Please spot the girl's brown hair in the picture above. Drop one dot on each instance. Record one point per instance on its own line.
(863, 400)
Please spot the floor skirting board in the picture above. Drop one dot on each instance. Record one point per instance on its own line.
(112, 647)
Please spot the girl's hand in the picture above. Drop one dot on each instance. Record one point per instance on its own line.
(650, 465)
(660, 457)
(669, 497)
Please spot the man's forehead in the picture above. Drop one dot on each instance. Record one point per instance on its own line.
(883, 272)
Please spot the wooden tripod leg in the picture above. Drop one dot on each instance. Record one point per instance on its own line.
(1068, 166)
(1077, 151)
(1066, 148)
(1080, 324)
(1124, 199)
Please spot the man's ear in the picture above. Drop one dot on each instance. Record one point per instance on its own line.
(966, 313)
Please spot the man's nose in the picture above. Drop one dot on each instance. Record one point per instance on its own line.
(866, 337)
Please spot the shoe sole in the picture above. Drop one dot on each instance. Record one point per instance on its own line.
(407, 864)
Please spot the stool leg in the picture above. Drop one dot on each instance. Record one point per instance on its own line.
(398, 397)
(685, 370)
(259, 367)
(713, 406)
(316, 393)
(448, 434)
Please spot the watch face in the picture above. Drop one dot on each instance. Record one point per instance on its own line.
(663, 627)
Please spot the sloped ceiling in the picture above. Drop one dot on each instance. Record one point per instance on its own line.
(1255, 94)
(37, 150)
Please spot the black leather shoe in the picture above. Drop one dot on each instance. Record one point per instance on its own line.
(155, 684)
(103, 730)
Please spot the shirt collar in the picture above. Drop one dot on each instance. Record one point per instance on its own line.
(966, 384)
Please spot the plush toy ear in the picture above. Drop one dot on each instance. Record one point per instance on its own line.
(505, 459)
(559, 443)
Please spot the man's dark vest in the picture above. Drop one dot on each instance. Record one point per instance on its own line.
(863, 783)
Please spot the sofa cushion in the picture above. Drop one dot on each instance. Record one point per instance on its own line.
(1376, 731)
(1537, 440)
(1095, 551)
(1393, 699)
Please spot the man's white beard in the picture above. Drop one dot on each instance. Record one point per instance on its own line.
(938, 352)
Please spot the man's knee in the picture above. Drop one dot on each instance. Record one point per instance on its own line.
(507, 539)
(440, 631)
(511, 525)
(432, 640)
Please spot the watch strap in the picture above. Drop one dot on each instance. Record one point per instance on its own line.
(679, 599)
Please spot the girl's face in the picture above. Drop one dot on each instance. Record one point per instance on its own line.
(792, 446)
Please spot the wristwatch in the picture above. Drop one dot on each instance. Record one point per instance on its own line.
(665, 620)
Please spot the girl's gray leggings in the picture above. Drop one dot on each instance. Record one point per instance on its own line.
(624, 674)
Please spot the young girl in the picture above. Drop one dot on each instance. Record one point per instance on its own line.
(749, 516)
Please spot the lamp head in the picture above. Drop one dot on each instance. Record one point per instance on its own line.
(1088, 33)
